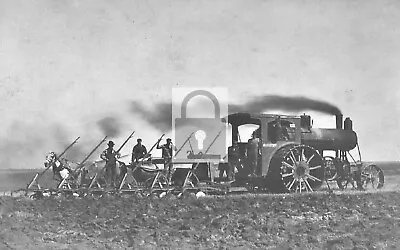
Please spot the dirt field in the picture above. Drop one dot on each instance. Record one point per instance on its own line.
(312, 221)
(339, 220)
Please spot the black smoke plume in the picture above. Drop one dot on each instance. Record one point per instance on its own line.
(295, 104)
(160, 116)
(109, 126)
(63, 139)
(27, 144)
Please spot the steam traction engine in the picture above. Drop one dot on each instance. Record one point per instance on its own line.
(291, 154)
(292, 157)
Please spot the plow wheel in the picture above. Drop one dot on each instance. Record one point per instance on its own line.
(346, 178)
(300, 168)
(372, 177)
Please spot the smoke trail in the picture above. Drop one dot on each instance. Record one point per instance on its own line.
(109, 126)
(271, 102)
(81, 149)
(20, 145)
(160, 117)
(63, 139)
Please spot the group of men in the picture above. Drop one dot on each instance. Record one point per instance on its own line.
(139, 153)
(111, 156)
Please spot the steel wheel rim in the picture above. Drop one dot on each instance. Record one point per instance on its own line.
(371, 177)
(301, 169)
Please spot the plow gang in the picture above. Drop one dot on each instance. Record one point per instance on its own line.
(111, 156)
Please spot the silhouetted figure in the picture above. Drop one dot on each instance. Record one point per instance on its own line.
(252, 155)
(139, 151)
(233, 160)
(111, 156)
(167, 153)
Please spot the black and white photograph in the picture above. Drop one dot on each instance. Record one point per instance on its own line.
(150, 124)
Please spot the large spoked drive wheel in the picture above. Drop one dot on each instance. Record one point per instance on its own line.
(302, 169)
(372, 177)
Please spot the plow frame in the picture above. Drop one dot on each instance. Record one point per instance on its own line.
(349, 171)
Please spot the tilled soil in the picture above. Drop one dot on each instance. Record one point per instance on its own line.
(303, 221)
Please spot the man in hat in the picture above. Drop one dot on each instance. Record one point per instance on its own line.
(111, 156)
(167, 153)
(139, 151)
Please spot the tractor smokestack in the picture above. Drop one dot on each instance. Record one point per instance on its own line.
(348, 124)
(339, 121)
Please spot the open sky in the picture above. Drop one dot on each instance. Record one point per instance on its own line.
(66, 64)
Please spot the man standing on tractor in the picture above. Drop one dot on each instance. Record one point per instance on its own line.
(111, 156)
(139, 151)
(233, 160)
(167, 153)
(252, 155)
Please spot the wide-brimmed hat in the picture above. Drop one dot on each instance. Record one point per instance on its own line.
(110, 143)
(169, 139)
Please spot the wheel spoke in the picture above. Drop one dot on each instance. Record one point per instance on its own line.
(305, 185)
(316, 167)
(372, 183)
(347, 183)
(299, 154)
(313, 178)
(287, 175)
(292, 157)
(291, 184)
(302, 154)
(309, 159)
(308, 184)
(301, 180)
(288, 165)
